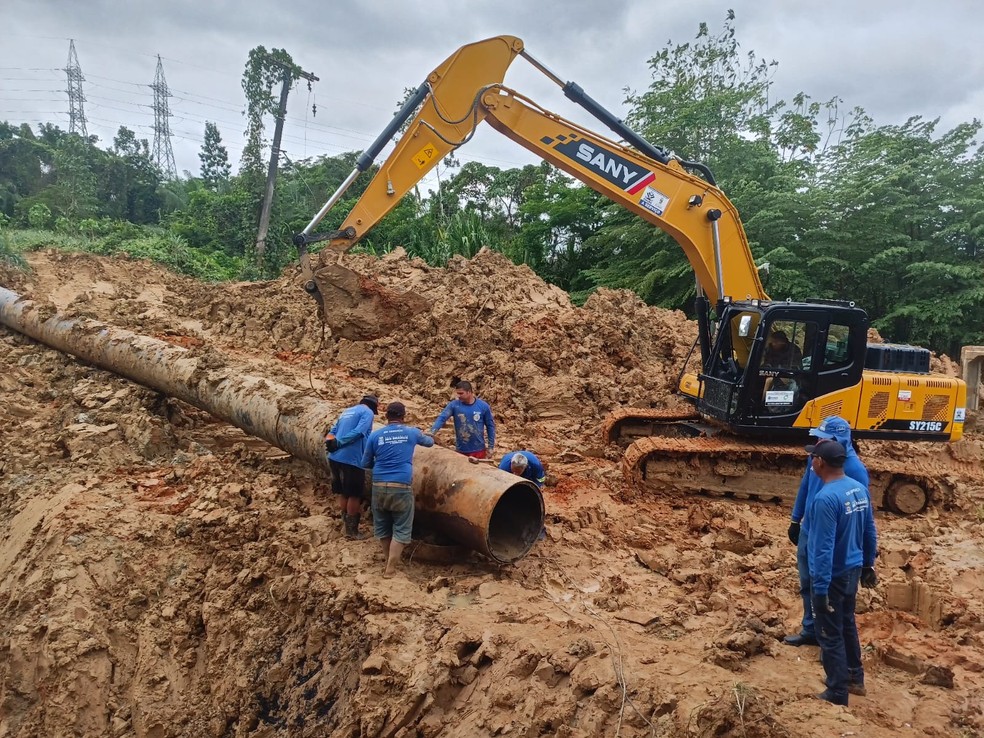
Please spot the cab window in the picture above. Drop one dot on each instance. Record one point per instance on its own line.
(837, 353)
(787, 343)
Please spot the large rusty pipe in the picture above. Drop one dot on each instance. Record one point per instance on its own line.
(487, 510)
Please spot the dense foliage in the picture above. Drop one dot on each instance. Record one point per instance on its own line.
(839, 207)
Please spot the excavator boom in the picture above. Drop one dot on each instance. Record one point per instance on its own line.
(694, 212)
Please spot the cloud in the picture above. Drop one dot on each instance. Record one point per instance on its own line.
(895, 60)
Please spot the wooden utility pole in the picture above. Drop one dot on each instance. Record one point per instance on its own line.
(261, 233)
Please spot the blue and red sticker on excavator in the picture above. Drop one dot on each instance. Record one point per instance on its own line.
(611, 167)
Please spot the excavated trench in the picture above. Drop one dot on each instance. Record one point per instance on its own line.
(162, 574)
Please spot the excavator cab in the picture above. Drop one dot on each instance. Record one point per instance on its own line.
(770, 359)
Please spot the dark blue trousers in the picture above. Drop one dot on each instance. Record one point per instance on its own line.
(803, 569)
(837, 633)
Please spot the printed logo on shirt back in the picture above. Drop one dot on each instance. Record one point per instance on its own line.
(854, 503)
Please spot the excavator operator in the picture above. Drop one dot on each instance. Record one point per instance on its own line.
(781, 353)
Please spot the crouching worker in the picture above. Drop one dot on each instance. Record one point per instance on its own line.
(389, 453)
(345, 443)
(524, 464)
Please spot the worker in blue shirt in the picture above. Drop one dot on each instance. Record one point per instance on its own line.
(389, 453)
(345, 443)
(837, 429)
(524, 464)
(473, 423)
(842, 549)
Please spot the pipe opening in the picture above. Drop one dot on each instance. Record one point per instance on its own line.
(515, 523)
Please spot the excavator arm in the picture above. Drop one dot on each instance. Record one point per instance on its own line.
(467, 89)
(444, 116)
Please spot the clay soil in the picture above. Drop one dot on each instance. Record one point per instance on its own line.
(162, 574)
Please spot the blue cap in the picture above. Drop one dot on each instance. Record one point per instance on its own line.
(831, 428)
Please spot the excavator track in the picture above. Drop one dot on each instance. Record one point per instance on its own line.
(626, 424)
(726, 466)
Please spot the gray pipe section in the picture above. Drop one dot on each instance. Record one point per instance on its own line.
(490, 511)
(283, 416)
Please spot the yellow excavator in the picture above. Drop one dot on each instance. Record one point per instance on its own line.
(767, 370)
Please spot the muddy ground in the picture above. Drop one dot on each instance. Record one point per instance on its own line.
(162, 574)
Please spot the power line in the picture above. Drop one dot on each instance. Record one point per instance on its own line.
(185, 111)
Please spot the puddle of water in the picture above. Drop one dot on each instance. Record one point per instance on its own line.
(461, 600)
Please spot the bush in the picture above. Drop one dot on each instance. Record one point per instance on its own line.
(173, 252)
(39, 216)
(125, 239)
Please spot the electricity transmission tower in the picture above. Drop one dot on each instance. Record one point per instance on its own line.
(76, 111)
(163, 153)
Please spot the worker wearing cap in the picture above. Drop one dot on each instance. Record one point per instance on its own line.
(345, 443)
(473, 422)
(842, 548)
(524, 464)
(832, 428)
(389, 453)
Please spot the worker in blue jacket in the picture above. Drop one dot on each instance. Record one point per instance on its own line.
(389, 453)
(837, 429)
(345, 443)
(474, 426)
(842, 549)
(524, 464)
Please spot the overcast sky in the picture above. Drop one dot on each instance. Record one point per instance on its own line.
(894, 59)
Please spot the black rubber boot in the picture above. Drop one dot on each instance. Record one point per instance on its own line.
(352, 528)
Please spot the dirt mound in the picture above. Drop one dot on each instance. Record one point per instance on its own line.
(162, 574)
(531, 353)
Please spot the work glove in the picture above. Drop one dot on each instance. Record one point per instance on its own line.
(821, 603)
(794, 533)
(331, 443)
(868, 577)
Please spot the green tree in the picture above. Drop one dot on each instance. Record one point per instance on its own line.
(76, 178)
(264, 70)
(899, 230)
(214, 159)
(130, 180)
(214, 221)
(558, 216)
(25, 165)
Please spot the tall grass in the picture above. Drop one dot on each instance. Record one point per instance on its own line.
(128, 240)
(10, 255)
